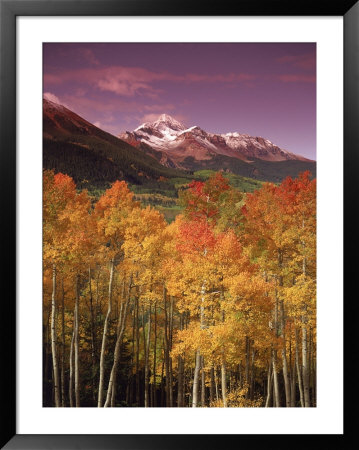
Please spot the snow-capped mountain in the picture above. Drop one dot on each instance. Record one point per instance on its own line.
(155, 150)
(176, 142)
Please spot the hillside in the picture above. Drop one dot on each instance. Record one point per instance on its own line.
(95, 159)
(258, 169)
(92, 156)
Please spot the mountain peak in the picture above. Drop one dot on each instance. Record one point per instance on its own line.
(168, 135)
(164, 122)
(165, 118)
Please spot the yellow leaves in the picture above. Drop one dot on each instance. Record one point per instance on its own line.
(117, 197)
(280, 231)
(301, 295)
(189, 340)
(237, 399)
(111, 212)
(67, 223)
(220, 274)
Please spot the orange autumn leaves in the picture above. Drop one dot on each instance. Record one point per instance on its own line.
(225, 262)
(241, 262)
(68, 229)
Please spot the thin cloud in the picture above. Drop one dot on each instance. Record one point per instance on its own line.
(159, 108)
(305, 61)
(149, 118)
(152, 117)
(297, 78)
(81, 105)
(53, 98)
(129, 81)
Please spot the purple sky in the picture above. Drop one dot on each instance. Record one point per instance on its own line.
(266, 90)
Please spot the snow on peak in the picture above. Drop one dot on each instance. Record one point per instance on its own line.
(165, 118)
(164, 122)
(195, 131)
(235, 134)
(169, 121)
(167, 134)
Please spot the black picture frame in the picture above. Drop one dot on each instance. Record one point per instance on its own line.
(9, 10)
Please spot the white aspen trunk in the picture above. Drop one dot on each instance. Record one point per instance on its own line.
(305, 367)
(180, 382)
(53, 340)
(305, 372)
(284, 359)
(167, 358)
(203, 384)
(63, 400)
(114, 384)
(292, 375)
(269, 384)
(154, 401)
(223, 383)
(310, 360)
(292, 390)
(300, 385)
(104, 337)
(120, 332)
(47, 343)
(138, 397)
(180, 393)
(71, 375)
(147, 393)
(314, 384)
(275, 380)
(195, 395)
(216, 382)
(162, 401)
(246, 372)
(93, 351)
(130, 375)
(223, 365)
(276, 395)
(76, 344)
(212, 391)
(169, 350)
(198, 353)
(252, 372)
(180, 374)
(240, 376)
(312, 368)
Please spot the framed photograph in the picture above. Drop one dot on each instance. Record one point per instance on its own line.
(174, 175)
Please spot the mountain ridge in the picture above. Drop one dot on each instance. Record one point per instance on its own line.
(94, 157)
(177, 142)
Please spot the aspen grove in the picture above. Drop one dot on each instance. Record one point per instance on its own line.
(216, 309)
